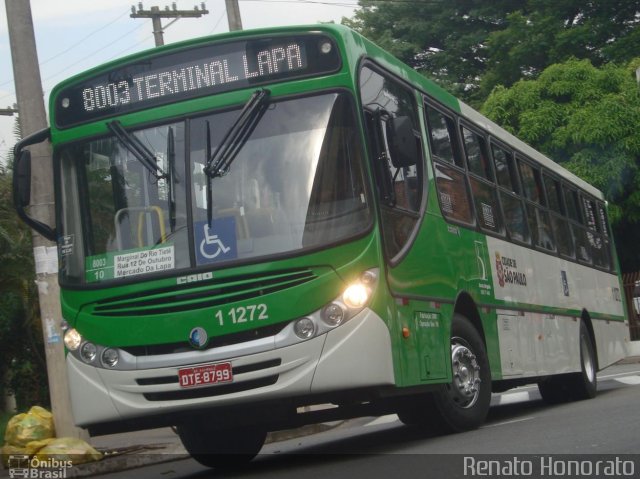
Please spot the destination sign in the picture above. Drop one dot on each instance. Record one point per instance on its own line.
(192, 73)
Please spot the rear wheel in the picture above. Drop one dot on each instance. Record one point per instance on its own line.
(574, 386)
(464, 403)
(221, 448)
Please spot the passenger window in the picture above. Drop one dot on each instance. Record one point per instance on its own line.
(530, 182)
(476, 151)
(540, 227)
(487, 206)
(552, 188)
(505, 171)
(596, 241)
(571, 201)
(514, 218)
(559, 222)
(442, 136)
(448, 166)
(452, 192)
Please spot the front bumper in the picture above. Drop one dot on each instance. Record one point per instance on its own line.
(354, 355)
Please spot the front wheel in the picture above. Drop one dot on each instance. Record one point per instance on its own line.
(221, 448)
(463, 404)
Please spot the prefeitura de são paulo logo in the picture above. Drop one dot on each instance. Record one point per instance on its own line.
(508, 272)
(499, 270)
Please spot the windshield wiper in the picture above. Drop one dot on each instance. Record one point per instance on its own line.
(218, 164)
(145, 156)
(209, 195)
(171, 187)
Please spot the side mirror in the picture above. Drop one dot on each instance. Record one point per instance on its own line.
(403, 147)
(22, 182)
(22, 170)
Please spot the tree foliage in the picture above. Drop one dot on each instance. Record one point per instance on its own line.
(585, 118)
(470, 46)
(22, 363)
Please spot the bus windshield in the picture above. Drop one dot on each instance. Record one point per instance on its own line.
(296, 183)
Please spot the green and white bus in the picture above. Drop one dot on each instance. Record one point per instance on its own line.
(261, 221)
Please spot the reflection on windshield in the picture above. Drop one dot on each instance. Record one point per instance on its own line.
(297, 183)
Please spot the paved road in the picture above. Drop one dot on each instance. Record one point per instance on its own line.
(520, 427)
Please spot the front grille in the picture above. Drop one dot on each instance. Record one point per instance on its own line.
(204, 294)
(212, 391)
(214, 342)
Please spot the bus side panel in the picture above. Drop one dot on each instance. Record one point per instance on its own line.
(612, 340)
(543, 298)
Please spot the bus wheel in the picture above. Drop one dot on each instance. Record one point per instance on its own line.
(584, 385)
(574, 386)
(463, 404)
(221, 448)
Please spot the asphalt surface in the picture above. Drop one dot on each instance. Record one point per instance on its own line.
(523, 424)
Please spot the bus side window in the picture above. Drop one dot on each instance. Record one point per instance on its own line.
(559, 222)
(596, 241)
(572, 202)
(508, 188)
(483, 188)
(604, 224)
(448, 167)
(537, 215)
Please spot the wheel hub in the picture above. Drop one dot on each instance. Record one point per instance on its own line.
(465, 387)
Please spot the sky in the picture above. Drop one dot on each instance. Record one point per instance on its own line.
(75, 35)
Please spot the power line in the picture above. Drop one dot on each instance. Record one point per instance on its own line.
(76, 44)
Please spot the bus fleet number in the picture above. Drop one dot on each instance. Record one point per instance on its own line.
(244, 314)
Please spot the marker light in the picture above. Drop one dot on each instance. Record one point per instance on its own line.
(72, 339)
(326, 47)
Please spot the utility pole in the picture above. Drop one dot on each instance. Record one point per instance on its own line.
(33, 118)
(156, 15)
(233, 15)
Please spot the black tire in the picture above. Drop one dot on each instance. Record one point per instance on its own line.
(584, 385)
(574, 386)
(221, 448)
(554, 389)
(462, 405)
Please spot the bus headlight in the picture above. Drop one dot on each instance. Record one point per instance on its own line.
(333, 314)
(304, 328)
(110, 357)
(72, 339)
(88, 352)
(355, 296)
(353, 299)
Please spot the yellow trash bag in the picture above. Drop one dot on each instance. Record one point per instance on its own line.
(71, 449)
(34, 446)
(35, 425)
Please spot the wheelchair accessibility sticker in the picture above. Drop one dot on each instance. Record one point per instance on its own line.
(216, 243)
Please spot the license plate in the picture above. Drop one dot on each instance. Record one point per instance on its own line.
(209, 374)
